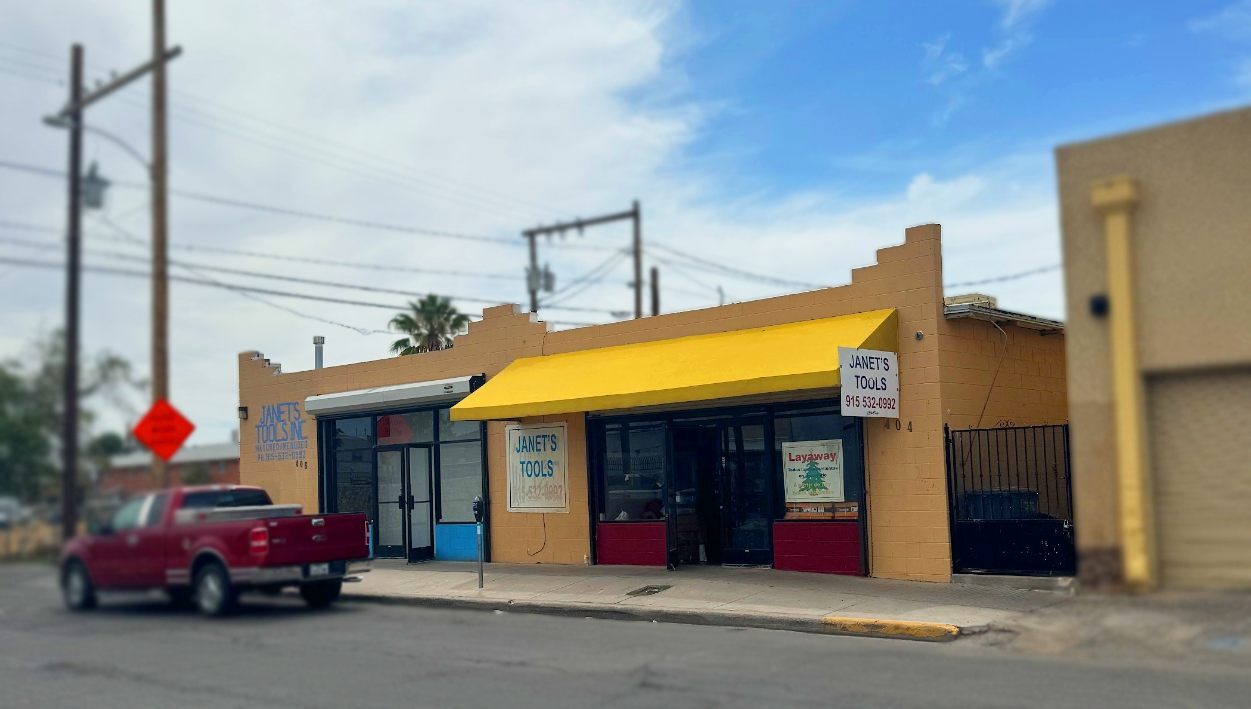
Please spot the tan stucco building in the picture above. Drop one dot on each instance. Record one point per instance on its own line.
(1157, 251)
(656, 469)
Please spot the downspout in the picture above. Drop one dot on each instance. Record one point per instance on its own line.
(1116, 199)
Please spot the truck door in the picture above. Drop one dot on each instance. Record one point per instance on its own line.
(110, 550)
(146, 562)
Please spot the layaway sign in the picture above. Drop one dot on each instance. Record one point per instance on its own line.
(536, 468)
(812, 471)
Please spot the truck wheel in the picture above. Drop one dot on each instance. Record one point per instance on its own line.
(214, 595)
(321, 593)
(76, 587)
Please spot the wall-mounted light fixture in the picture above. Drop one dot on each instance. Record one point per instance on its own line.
(243, 413)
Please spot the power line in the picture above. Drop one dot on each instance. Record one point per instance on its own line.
(54, 265)
(247, 253)
(717, 267)
(1008, 277)
(302, 214)
(590, 279)
(310, 146)
(262, 274)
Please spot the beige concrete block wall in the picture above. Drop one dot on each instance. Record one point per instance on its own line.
(552, 538)
(905, 467)
(994, 378)
(1191, 254)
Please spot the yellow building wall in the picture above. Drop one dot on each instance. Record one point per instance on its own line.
(905, 467)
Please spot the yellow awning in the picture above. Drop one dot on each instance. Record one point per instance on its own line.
(762, 360)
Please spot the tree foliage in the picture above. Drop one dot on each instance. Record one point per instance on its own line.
(429, 325)
(32, 408)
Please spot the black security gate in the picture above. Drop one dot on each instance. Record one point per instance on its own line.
(1011, 498)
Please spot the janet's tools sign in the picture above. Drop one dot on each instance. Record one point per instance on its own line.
(536, 468)
(870, 382)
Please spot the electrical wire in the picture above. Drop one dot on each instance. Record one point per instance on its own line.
(1008, 277)
(708, 265)
(305, 214)
(131, 238)
(302, 143)
(4, 223)
(587, 282)
(55, 265)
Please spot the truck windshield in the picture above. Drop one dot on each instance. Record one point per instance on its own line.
(225, 498)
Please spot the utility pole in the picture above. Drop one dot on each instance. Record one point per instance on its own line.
(654, 282)
(160, 221)
(535, 279)
(69, 423)
(71, 117)
(638, 261)
(532, 274)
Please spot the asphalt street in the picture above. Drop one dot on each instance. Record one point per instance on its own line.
(138, 652)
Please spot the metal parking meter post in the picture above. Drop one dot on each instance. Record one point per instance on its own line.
(478, 513)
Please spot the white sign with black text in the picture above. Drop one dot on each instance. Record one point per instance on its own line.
(536, 468)
(870, 382)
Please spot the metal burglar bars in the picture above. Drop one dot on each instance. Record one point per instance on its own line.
(1011, 497)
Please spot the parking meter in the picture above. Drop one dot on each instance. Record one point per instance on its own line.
(479, 512)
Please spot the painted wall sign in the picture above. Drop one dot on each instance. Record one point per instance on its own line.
(536, 467)
(280, 433)
(812, 471)
(870, 382)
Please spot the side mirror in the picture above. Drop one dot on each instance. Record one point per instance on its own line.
(104, 529)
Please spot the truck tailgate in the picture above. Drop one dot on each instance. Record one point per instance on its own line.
(308, 539)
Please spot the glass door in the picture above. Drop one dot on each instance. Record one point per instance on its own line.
(390, 528)
(420, 498)
(746, 500)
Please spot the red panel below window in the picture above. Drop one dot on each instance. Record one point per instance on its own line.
(821, 547)
(632, 543)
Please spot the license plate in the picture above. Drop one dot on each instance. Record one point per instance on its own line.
(319, 569)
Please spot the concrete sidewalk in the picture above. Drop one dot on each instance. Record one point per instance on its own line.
(708, 595)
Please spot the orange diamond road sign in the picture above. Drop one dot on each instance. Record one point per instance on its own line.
(163, 430)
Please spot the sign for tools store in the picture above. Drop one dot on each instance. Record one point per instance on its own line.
(536, 467)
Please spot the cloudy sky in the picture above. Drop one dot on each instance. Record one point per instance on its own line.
(781, 142)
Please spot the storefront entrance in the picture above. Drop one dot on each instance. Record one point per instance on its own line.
(405, 508)
(707, 487)
(721, 493)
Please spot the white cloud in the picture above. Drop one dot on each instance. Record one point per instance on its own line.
(1231, 22)
(474, 117)
(1015, 28)
(939, 63)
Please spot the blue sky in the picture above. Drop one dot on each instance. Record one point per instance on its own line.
(785, 139)
(860, 95)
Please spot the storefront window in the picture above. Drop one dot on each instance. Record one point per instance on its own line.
(450, 430)
(460, 480)
(817, 434)
(634, 466)
(354, 465)
(406, 428)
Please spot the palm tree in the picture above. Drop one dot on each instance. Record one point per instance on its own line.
(430, 325)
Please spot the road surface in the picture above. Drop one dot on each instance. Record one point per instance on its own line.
(136, 652)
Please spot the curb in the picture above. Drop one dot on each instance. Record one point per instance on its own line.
(827, 625)
(903, 629)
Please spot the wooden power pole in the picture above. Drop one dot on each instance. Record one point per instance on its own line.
(73, 242)
(654, 282)
(535, 278)
(160, 227)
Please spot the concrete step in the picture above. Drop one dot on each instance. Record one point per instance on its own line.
(1066, 585)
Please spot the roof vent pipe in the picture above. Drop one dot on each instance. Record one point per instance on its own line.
(318, 343)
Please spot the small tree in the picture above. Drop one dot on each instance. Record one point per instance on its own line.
(814, 480)
(430, 325)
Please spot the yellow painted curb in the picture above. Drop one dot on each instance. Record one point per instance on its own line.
(879, 628)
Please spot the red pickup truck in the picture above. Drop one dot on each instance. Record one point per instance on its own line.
(209, 544)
